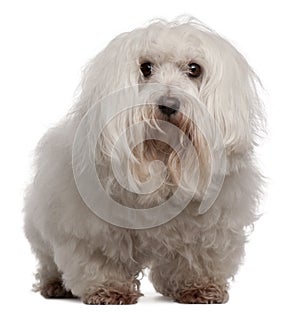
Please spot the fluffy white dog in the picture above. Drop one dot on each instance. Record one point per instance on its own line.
(167, 121)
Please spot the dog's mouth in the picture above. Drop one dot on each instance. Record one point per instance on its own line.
(161, 148)
(176, 118)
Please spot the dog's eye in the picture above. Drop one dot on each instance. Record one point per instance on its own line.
(195, 70)
(146, 69)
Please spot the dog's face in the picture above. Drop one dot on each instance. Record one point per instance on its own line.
(170, 80)
(178, 72)
(167, 82)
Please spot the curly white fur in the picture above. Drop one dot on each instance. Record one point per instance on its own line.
(100, 262)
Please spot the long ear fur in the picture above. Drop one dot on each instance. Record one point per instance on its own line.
(110, 71)
(230, 94)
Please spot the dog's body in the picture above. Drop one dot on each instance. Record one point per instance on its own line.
(192, 256)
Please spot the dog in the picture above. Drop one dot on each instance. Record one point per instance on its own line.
(153, 167)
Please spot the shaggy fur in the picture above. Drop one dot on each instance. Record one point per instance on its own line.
(191, 257)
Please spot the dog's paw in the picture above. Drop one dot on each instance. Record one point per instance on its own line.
(55, 289)
(107, 296)
(209, 294)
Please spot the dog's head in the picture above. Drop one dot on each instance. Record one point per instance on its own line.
(174, 74)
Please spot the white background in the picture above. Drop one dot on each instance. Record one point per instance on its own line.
(44, 45)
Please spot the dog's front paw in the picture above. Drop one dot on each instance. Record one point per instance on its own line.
(110, 296)
(210, 293)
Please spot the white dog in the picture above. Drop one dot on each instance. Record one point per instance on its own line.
(167, 121)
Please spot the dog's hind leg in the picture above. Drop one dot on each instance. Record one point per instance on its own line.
(49, 282)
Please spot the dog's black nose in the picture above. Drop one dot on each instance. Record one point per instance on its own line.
(168, 105)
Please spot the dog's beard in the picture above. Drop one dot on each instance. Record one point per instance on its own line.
(154, 162)
(151, 150)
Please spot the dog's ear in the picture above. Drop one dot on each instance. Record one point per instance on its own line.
(231, 97)
(113, 69)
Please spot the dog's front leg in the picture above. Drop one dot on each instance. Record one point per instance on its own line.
(96, 278)
(199, 272)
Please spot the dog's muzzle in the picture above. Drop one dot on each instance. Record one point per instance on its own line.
(168, 105)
